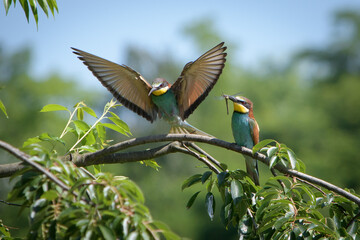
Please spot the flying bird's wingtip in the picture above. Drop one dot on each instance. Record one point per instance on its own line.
(75, 50)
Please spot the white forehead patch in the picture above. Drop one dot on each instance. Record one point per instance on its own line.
(156, 84)
(240, 98)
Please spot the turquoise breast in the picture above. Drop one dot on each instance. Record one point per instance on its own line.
(241, 129)
(167, 105)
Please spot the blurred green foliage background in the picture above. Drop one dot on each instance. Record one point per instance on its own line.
(311, 103)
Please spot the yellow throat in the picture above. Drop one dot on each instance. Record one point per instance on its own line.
(240, 108)
(160, 91)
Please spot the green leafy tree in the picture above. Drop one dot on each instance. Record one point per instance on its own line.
(70, 196)
(67, 200)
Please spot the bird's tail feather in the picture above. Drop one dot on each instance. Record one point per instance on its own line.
(252, 169)
(186, 128)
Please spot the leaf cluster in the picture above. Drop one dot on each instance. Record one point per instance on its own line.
(99, 206)
(284, 208)
(45, 5)
(90, 138)
(279, 153)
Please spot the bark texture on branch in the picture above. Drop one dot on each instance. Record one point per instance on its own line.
(110, 155)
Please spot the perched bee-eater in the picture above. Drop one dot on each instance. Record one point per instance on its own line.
(245, 131)
(174, 102)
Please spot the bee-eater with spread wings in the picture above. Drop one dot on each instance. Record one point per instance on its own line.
(174, 102)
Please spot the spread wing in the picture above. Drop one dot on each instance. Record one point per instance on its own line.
(255, 130)
(127, 85)
(198, 78)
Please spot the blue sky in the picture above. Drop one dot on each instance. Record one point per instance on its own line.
(262, 29)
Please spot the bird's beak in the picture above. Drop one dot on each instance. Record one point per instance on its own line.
(153, 89)
(232, 98)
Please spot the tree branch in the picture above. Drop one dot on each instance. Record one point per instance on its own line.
(7, 170)
(188, 151)
(109, 155)
(26, 158)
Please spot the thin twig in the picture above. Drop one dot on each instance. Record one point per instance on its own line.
(312, 185)
(353, 219)
(201, 151)
(253, 220)
(11, 204)
(88, 173)
(188, 151)
(69, 121)
(106, 110)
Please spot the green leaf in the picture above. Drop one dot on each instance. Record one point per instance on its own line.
(160, 225)
(25, 6)
(115, 119)
(151, 163)
(279, 223)
(34, 10)
(170, 235)
(7, 4)
(191, 181)
(107, 233)
(101, 132)
(236, 189)
(4, 231)
(352, 229)
(2, 107)
(80, 114)
(262, 144)
(80, 126)
(90, 138)
(53, 107)
(306, 190)
(222, 177)
(31, 141)
(47, 137)
(88, 148)
(292, 158)
(331, 224)
(89, 111)
(50, 195)
(210, 205)
(205, 176)
(224, 166)
(192, 200)
(115, 128)
(210, 185)
(44, 6)
(273, 161)
(97, 169)
(271, 151)
(53, 6)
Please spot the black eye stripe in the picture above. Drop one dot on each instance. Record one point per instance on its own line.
(246, 104)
